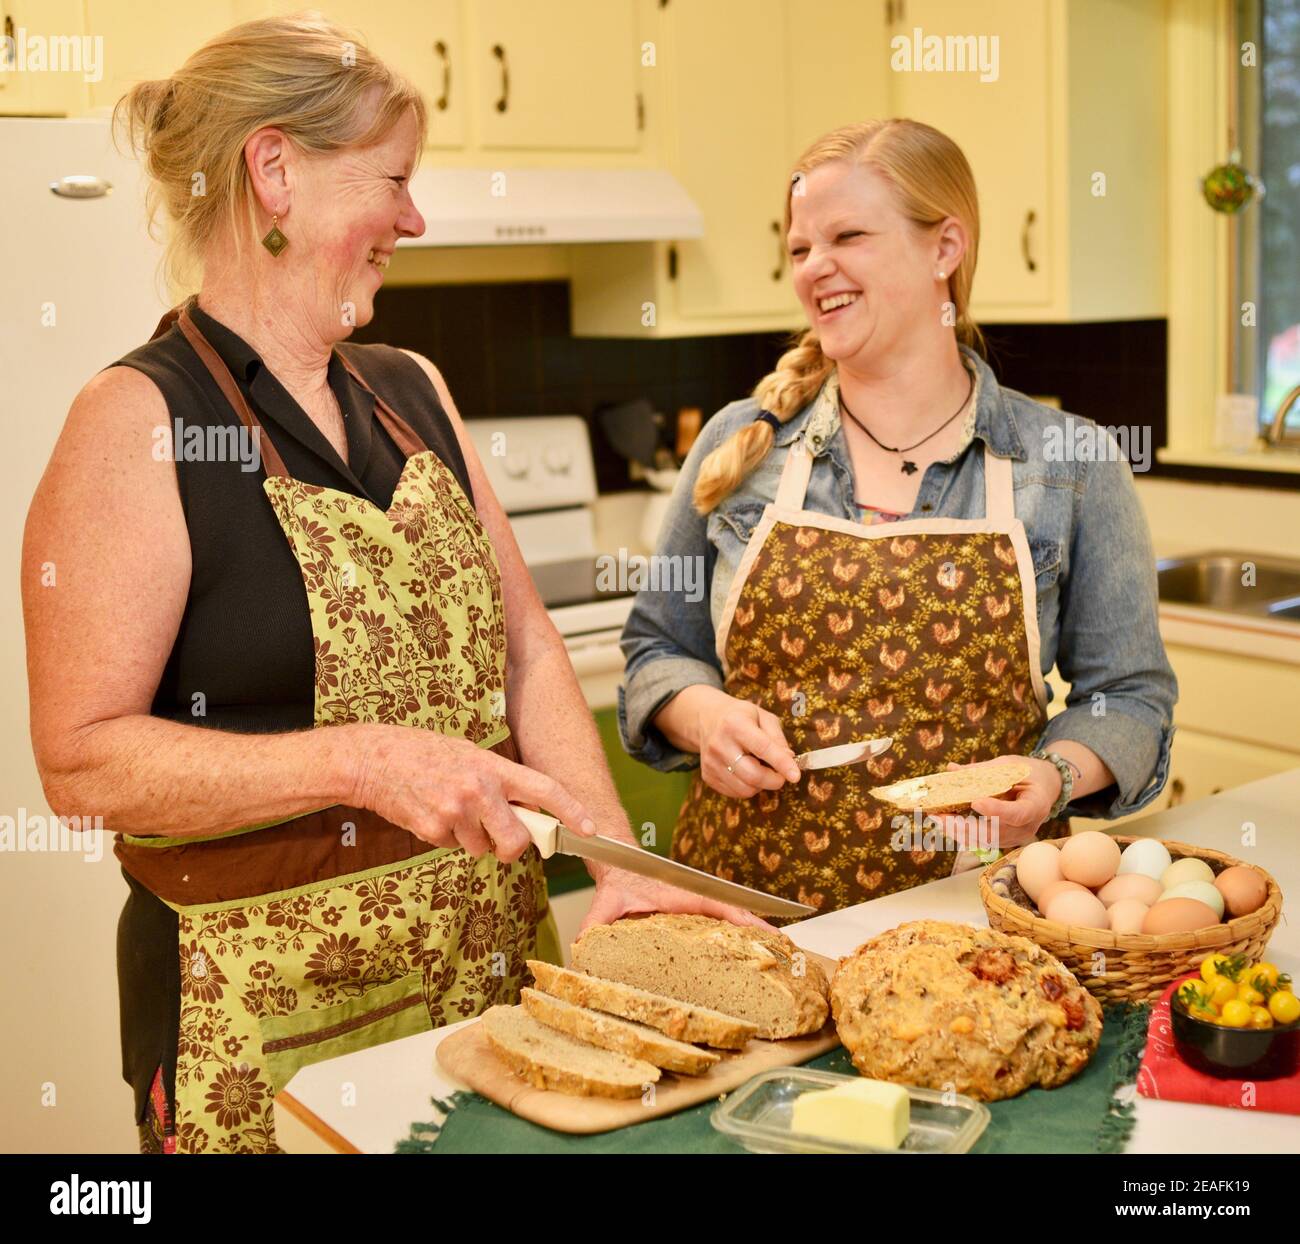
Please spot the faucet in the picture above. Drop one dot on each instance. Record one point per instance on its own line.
(1277, 435)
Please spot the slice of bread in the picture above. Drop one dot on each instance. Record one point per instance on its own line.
(749, 972)
(619, 1035)
(550, 1060)
(954, 788)
(676, 1019)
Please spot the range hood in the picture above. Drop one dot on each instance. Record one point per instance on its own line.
(522, 206)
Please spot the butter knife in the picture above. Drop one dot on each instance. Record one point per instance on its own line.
(551, 837)
(844, 754)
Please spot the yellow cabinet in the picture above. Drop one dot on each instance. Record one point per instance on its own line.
(559, 76)
(1059, 107)
(423, 40)
(47, 62)
(146, 39)
(743, 86)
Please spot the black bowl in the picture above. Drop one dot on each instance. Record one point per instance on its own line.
(1235, 1053)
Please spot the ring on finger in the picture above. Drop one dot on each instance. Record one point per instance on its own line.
(731, 768)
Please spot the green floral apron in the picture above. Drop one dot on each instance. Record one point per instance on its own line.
(305, 939)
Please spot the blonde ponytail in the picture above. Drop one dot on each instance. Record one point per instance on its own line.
(931, 180)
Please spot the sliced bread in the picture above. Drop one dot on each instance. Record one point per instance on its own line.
(619, 1035)
(749, 972)
(550, 1060)
(676, 1019)
(954, 788)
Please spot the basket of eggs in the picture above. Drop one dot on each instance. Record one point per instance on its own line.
(1129, 915)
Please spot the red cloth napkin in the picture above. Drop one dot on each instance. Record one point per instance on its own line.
(1164, 1075)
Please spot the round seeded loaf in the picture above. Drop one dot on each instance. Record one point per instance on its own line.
(953, 1007)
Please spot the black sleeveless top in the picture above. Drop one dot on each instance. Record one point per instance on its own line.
(243, 655)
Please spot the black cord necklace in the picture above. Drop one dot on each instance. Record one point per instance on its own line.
(909, 467)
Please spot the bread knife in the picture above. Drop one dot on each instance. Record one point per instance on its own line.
(550, 837)
(844, 754)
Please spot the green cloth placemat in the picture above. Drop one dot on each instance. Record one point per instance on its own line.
(1080, 1117)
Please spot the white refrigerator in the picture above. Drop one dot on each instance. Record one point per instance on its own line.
(80, 286)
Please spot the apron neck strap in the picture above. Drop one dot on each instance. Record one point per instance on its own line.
(271, 459)
(999, 496)
(404, 436)
(793, 487)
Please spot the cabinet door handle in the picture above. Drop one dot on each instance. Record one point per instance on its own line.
(444, 99)
(779, 270)
(1176, 792)
(1030, 262)
(500, 53)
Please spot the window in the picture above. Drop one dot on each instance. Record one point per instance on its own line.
(1266, 355)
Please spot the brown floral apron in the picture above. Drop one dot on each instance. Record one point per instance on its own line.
(312, 937)
(923, 629)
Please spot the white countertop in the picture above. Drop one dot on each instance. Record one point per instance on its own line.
(369, 1099)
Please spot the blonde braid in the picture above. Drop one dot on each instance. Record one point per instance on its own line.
(799, 375)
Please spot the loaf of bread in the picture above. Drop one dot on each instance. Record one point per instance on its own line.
(679, 1020)
(754, 974)
(953, 789)
(619, 1035)
(950, 1006)
(550, 1060)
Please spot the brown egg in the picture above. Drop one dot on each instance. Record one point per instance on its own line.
(1077, 907)
(1037, 866)
(1179, 915)
(1091, 858)
(1127, 915)
(1243, 888)
(1052, 890)
(1146, 890)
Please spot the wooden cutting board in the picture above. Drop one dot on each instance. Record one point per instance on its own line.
(467, 1055)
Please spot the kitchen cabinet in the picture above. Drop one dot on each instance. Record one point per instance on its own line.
(743, 87)
(510, 75)
(560, 76)
(1069, 159)
(1235, 723)
(146, 39)
(46, 33)
(423, 40)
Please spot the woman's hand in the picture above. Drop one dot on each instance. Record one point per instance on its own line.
(451, 793)
(620, 893)
(1016, 817)
(727, 731)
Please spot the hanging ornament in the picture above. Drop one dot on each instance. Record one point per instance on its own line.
(1229, 187)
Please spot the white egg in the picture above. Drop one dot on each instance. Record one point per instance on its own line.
(1189, 868)
(1147, 856)
(1201, 891)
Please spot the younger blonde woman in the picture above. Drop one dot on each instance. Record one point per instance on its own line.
(893, 548)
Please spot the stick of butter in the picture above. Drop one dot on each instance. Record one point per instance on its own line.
(860, 1112)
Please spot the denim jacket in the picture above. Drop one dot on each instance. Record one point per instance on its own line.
(1093, 566)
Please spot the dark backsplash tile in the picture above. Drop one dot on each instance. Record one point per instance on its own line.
(505, 349)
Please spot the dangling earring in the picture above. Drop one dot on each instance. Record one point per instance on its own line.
(275, 241)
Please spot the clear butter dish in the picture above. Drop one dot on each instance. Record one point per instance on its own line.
(758, 1113)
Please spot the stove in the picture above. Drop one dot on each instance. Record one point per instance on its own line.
(543, 473)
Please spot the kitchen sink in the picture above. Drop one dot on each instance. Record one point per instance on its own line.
(1215, 581)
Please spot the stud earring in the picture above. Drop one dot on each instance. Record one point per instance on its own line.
(943, 276)
(275, 241)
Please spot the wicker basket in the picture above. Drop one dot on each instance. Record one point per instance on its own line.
(1137, 966)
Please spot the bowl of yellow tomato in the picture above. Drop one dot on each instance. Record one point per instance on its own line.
(1238, 1020)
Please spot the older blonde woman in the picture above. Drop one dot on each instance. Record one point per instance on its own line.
(333, 557)
(896, 548)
